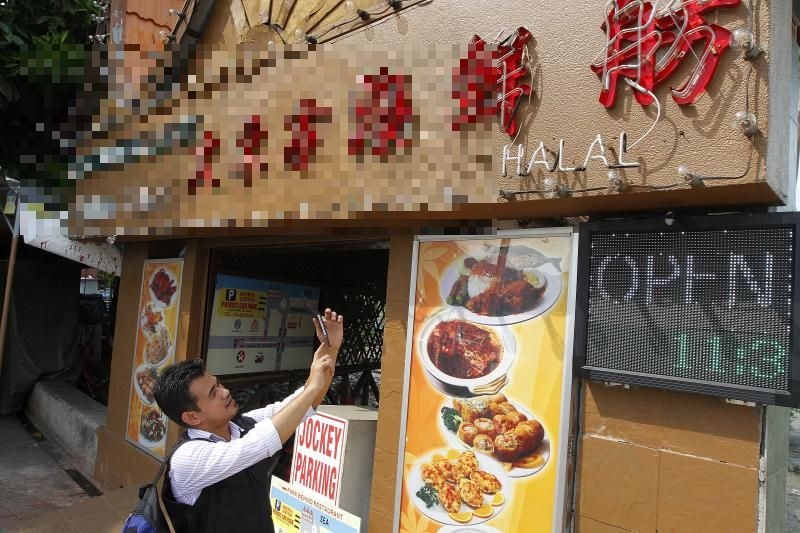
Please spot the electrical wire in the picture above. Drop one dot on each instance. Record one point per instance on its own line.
(381, 15)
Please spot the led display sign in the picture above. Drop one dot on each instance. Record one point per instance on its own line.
(703, 304)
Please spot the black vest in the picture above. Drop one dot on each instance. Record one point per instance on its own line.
(237, 503)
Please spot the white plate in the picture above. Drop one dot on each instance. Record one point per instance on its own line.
(505, 336)
(144, 440)
(438, 513)
(544, 447)
(548, 299)
(170, 351)
(143, 318)
(153, 297)
(136, 383)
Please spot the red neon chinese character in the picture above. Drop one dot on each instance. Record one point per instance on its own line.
(645, 45)
(381, 116)
(506, 79)
(205, 154)
(253, 142)
(475, 85)
(303, 125)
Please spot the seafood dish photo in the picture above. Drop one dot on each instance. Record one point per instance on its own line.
(157, 346)
(464, 350)
(151, 318)
(146, 381)
(493, 426)
(152, 426)
(456, 488)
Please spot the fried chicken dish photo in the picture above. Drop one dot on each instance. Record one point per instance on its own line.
(457, 480)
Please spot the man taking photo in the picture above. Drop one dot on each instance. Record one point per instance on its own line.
(216, 479)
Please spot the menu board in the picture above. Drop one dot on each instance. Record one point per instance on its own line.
(259, 325)
(488, 385)
(156, 336)
(704, 305)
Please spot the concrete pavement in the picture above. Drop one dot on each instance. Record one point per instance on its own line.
(32, 482)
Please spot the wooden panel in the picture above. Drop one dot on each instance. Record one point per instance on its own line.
(700, 496)
(384, 471)
(618, 484)
(125, 336)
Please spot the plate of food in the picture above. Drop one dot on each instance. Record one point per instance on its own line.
(152, 318)
(461, 354)
(152, 426)
(496, 428)
(158, 346)
(456, 487)
(145, 383)
(496, 288)
(162, 287)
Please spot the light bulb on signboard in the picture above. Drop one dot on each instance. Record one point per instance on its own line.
(350, 7)
(745, 122)
(615, 181)
(744, 41)
(692, 179)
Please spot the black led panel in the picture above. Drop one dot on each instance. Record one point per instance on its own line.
(704, 305)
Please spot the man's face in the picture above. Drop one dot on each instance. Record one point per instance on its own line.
(215, 405)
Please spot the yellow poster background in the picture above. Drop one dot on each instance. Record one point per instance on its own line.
(148, 301)
(535, 383)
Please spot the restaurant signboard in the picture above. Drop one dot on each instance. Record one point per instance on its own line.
(156, 337)
(488, 384)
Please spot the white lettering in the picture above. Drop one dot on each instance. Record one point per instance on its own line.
(652, 282)
(507, 157)
(598, 141)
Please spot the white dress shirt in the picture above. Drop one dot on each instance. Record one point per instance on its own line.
(197, 464)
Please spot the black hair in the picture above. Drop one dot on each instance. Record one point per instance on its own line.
(172, 389)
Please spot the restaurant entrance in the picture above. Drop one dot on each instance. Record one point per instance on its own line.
(258, 336)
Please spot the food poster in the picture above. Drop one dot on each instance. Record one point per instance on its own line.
(259, 325)
(486, 386)
(156, 338)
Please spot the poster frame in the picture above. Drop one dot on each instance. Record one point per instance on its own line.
(693, 223)
(245, 377)
(566, 396)
(142, 289)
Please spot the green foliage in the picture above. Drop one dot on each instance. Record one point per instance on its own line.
(44, 60)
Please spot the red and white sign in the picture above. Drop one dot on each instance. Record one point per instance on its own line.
(319, 454)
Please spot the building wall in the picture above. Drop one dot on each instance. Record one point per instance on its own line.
(653, 460)
(566, 40)
(565, 106)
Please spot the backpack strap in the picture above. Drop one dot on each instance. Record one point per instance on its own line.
(184, 439)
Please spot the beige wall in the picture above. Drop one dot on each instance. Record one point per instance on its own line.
(567, 36)
(565, 106)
